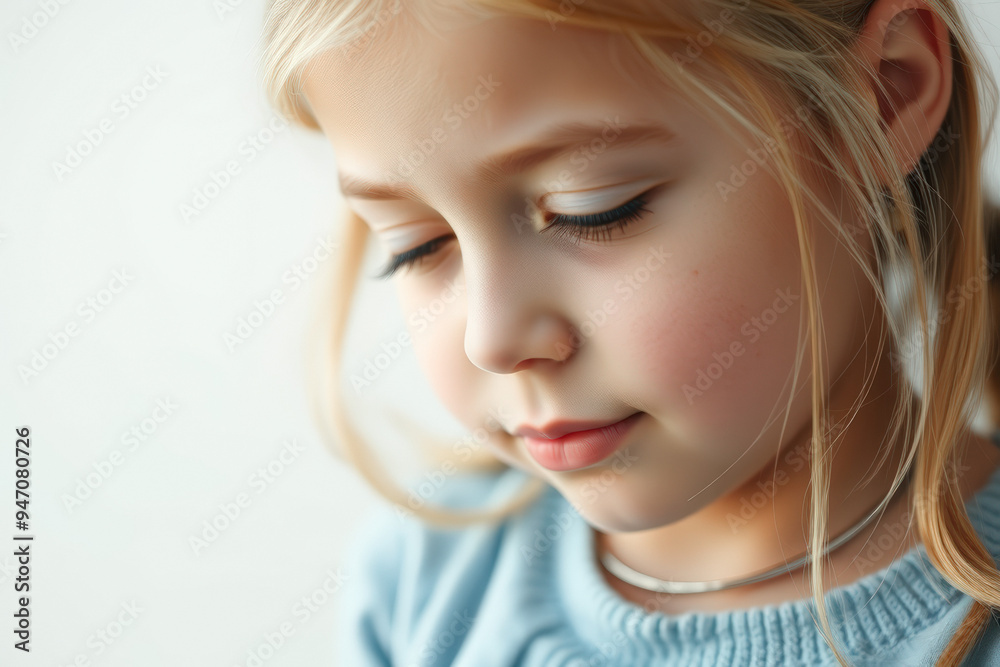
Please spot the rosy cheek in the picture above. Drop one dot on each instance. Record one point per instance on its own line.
(706, 352)
(439, 346)
(675, 342)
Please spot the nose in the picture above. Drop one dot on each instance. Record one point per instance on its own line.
(515, 319)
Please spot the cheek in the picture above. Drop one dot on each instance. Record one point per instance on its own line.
(701, 355)
(438, 335)
(710, 347)
(439, 346)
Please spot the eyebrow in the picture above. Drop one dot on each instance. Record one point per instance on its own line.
(557, 140)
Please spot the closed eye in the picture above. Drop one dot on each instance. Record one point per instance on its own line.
(593, 226)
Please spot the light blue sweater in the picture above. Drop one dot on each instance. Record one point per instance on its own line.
(528, 591)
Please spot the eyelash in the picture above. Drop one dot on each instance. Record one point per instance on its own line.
(593, 227)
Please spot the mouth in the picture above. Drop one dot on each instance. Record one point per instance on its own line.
(573, 450)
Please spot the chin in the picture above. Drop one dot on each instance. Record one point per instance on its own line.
(614, 523)
(611, 512)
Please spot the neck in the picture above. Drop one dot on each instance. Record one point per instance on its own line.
(765, 521)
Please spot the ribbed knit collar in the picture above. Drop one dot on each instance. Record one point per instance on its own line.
(873, 613)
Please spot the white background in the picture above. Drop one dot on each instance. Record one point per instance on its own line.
(160, 338)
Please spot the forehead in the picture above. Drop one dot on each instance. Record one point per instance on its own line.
(483, 82)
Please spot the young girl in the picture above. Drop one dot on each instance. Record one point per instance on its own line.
(707, 283)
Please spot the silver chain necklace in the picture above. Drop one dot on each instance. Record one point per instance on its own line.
(628, 575)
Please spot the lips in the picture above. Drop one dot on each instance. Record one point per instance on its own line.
(559, 428)
(575, 448)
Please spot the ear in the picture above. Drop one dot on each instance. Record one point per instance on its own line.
(909, 46)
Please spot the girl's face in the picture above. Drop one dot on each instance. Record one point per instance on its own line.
(688, 314)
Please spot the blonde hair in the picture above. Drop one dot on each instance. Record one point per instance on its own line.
(775, 54)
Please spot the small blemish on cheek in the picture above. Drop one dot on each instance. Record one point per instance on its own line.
(694, 272)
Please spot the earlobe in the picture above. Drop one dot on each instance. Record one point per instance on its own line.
(910, 50)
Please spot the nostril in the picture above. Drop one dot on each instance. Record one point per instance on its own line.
(525, 364)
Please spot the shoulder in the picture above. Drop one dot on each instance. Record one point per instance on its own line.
(400, 568)
(391, 534)
(394, 536)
